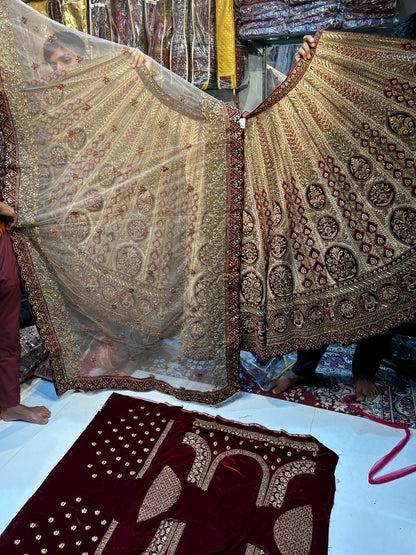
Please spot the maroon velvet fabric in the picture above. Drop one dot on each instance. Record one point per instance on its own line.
(151, 478)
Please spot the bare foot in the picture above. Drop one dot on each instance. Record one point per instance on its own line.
(285, 381)
(34, 415)
(365, 389)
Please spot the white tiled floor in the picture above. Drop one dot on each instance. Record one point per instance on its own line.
(365, 520)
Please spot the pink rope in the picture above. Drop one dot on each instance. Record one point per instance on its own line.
(381, 463)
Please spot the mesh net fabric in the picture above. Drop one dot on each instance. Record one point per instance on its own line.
(121, 179)
(144, 265)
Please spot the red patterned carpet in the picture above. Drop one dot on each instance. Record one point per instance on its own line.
(396, 401)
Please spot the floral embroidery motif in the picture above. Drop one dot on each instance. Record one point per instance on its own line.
(53, 95)
(250, 253)
(328, 227)
(281, 280)
(76, 138)
(281, 478)
(402, 124)
(403, 225)
(381, 194)
(341, 263)
(278, 246)
(252, 288)
(137, 229)
(347, 309)
(360, 168)
(315, 196)
(93, 200)
(248, 223)
(129, 260)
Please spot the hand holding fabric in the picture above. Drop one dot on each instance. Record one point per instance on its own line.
(305, 52)
(139, 59)
(9, 215)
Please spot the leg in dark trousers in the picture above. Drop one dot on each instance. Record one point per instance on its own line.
(368, 356)
(304, 367)
(10, 407)
(307, 361)
(9, 332)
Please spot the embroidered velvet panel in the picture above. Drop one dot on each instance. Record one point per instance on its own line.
(151, 478)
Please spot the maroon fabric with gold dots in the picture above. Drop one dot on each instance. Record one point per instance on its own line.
(151, 478)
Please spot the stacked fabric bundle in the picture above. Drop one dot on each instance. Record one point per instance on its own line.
(259, 18)
(179, 35)
(304, 17)
(263, 18)
(369, 13)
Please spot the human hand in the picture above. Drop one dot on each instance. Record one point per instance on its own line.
(9, 214)
(138, 59)
(304, 52)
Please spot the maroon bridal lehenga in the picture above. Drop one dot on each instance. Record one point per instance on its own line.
(160, 232)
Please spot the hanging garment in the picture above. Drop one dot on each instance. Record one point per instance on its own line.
(143, 267)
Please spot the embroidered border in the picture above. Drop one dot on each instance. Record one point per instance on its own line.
(166, 539)
(106, 538)
(259, 436)
(281, 478)
(155, 449)
(202, 460)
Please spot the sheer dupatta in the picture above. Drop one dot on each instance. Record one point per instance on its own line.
(129, 214)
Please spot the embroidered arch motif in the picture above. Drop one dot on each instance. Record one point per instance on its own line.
(281, 478)
(264, 481)
(202, 458)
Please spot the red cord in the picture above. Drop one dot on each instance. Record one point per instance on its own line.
(381, 463)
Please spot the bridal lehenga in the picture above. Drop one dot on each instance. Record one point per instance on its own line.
(160, 232)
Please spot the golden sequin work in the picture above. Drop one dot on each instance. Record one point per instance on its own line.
(156, 239)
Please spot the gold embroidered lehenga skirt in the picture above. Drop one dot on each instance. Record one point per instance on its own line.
(154, 242)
